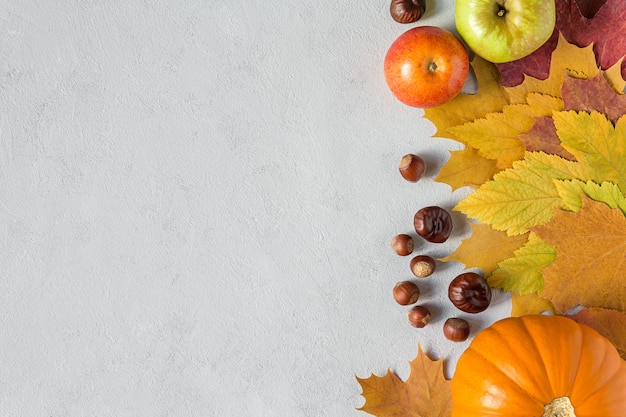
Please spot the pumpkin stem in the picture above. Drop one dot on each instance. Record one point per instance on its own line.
(559, 407)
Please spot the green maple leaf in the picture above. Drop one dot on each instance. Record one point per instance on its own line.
(522, 273)
(571, 193)
(523, 196)
(597, 145)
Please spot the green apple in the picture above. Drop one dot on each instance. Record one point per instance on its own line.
(505, 30)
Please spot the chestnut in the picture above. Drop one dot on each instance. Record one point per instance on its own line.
(412, 167)
(456, 329)
(418, 316)
(433, 224)
(422, 266)
(406, 292)
(402, 244)
(407, 11)
(469, 292)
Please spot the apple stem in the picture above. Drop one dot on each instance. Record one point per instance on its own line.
(501, 11)
(432, 67)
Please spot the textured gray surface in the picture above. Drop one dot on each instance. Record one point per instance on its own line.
(197, 199)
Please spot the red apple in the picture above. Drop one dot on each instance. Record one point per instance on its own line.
(426, 66)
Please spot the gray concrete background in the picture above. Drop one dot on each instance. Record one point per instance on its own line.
(196, 204)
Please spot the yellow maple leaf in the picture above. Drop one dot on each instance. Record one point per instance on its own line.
(595, 143)
(426, 393)
(490, 97)
(567, 59)
(485, 247)
(590, 258)
(496, 136)
(525, 304)
(541, 105)
(466, 167)
(614, 76)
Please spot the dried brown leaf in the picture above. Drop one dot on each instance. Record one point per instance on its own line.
(609, 323)
(426, 392)
(466, 168)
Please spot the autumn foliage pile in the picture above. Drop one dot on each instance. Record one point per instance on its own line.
(545, 154)
(547, 161)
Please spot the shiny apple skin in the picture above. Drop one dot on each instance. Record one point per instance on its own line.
(524, 27)
(426, 66)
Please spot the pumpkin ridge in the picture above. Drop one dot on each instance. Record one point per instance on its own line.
(583, 410)
(617, 372)
(581, 357)
(495, 367)
(604, 353)
(536, 353)
(569, 328)
(490, 370)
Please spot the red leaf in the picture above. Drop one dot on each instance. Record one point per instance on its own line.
(536, 65)
(542, 137)
(589, 8)
(606, 30)
(593, 94)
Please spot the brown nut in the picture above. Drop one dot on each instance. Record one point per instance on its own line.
(423, 266)
(418, 316)
(407, 11)
(402, 244)
(470, 293)
(406, 292)
(412, 167)
(433, 224)
(456, 330)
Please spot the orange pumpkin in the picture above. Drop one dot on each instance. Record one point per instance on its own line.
(540, 366)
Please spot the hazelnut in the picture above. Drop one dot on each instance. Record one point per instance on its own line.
(406, 292)
(470, 293)
(407, 11)
(433, 224)
(418, 316)
(412, 167)
(456, 330)
(402, 244)
(422, 266)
